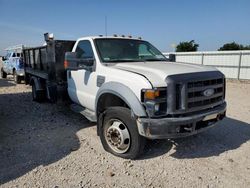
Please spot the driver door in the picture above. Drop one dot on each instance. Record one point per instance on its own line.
(82, 86)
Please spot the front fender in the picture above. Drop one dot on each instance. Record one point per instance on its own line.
(125, 93)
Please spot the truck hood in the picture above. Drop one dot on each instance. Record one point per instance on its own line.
(156, 72)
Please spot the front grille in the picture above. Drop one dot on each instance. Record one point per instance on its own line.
(186, 93)
(196, 97)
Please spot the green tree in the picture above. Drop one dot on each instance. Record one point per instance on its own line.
(190, 46)
(233, 46)
(246, 47)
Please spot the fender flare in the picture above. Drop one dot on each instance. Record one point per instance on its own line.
(123, 92)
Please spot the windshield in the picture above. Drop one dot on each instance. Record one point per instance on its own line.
(127, 50)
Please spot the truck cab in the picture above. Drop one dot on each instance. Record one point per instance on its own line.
(129, 88)
(130, 76)
(13, 64)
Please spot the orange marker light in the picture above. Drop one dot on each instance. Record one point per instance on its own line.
(151, 94)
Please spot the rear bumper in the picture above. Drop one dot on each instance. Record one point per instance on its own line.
(180, 126)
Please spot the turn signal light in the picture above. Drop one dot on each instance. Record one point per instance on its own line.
(151, 94)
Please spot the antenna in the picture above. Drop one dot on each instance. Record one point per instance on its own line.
(106, 29)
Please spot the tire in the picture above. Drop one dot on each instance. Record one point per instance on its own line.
(3, 74)
(17, 78)
(117, 121)
(37, 95)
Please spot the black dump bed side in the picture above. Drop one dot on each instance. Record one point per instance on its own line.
(47, 62)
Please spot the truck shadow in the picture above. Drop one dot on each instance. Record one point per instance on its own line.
(33, 134)
(6, 83)
(227, 135)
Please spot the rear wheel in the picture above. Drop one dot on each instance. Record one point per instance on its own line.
(37, 95)
(3, 74)
(119, 134)
(17, 78)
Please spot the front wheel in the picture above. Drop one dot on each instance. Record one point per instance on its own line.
(3, 74)
(119, 134)
(17, 78)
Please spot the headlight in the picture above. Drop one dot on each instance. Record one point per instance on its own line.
(155, 101)
(157, 107)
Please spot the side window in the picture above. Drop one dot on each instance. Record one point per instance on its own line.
(84, 50)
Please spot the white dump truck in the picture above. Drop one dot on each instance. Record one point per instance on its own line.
(128, 87)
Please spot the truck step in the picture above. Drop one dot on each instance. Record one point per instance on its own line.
(90, 115)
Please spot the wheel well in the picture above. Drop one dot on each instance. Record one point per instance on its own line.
(107, 100)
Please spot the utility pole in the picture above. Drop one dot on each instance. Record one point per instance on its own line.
(106, 29)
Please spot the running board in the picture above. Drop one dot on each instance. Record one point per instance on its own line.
(90, 115)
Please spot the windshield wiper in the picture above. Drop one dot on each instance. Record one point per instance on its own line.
(154, 59)
(121, 60)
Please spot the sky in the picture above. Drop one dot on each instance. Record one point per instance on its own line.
(210, 23)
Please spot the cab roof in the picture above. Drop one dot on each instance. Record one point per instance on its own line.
(109, 37)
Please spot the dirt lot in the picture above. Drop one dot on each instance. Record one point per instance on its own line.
(46, 145)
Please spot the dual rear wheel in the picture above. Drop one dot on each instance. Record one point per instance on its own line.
(37, 95)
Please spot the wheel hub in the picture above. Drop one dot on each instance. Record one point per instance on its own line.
(114, 136)
(117, 136)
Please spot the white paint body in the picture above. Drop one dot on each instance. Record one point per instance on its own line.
(82, 87)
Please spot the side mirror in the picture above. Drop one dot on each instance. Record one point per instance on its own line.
(172, 57)
(73, 63)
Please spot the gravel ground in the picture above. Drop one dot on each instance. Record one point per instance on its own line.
(46, 145)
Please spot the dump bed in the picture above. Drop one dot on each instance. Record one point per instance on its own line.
(47, 62)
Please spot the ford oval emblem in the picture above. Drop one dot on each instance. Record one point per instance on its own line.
(208, 92)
